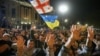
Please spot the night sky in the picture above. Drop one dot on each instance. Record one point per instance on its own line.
(85, 11)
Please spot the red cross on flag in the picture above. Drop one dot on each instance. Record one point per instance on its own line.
(41, 6)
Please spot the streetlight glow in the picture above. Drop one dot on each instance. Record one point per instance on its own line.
(66, 20)
(86, 25)
(63, 8)
(78, 23)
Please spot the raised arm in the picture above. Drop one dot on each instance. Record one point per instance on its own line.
(50, 40)
(90, 36)
(75, 35)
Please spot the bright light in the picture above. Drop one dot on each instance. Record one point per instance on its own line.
(63, 8)
(22, 22)
(17, 26)
(78, 22)
(86, 25)
(25, 22)
(66, 20)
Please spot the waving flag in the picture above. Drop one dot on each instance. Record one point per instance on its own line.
(51, 20)
(41, 6)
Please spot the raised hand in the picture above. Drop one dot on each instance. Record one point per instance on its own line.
(90, 31)
(75, 32)
(20, 45)
(75, 35)
(50, 40)
(20, 41)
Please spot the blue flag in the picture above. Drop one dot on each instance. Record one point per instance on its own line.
(51, 20)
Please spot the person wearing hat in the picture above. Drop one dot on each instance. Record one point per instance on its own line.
(6, 37)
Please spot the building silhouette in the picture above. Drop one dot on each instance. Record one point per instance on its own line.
(19, 13)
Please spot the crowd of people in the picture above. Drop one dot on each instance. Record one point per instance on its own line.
(33, 42)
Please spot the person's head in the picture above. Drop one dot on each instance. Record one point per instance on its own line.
(36, 35)
(42, 38)
(30, 44)
(6, 36)
(23, 33)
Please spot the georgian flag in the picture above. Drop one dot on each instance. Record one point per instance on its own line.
(41, 6)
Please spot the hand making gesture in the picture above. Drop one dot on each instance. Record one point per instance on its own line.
(75, 32)
(90, 31)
